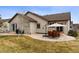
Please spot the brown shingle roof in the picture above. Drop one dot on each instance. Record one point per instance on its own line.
(53, 17)
(60, 16)
(28, 18)
(36, 15)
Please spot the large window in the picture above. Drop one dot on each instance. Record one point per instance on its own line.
(38, 26)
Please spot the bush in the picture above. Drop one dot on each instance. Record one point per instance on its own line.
(72, 33)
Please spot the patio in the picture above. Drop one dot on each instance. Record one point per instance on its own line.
(62, 37)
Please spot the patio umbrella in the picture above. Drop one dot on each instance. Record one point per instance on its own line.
(56, 25)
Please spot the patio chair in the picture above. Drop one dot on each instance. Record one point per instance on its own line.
(49, 33)
(53, 33)
(58, 34)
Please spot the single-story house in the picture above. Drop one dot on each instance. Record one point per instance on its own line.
(33, 23)
(4, 25)
(76, 27)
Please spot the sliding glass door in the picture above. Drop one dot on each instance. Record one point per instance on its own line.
(14, 27)
(60, 29)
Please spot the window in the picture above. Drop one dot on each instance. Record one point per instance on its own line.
(38, 26)
(70, 26)
(42, 27)
(50, 23)
(61, 23)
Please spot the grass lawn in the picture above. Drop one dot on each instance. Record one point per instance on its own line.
(25, 44)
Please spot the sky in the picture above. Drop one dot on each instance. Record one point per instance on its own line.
(9, 11)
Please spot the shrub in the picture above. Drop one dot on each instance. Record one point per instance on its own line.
(72, 33)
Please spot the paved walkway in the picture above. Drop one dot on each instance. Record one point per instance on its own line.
(61, 38)
(7, 34)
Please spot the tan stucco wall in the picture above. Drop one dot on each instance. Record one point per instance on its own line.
(32, 27)
(43, 23)
(21, 22)
(39, 20)
(67, 27)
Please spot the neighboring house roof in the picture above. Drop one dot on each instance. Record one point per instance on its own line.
(58, 17)
(28, 18)
(5, 20)
(76, 27)
(1, 23)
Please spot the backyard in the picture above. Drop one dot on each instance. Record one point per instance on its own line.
(25, 44)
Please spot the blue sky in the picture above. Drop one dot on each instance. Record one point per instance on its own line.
(9, 11)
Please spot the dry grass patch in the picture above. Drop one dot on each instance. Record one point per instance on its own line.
(28, 44)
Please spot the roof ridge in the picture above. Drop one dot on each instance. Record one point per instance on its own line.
(58, 16)
(36, 15)
(29, 17)
(57, 13)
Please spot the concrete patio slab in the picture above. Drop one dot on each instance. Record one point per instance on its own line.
(61, 38)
